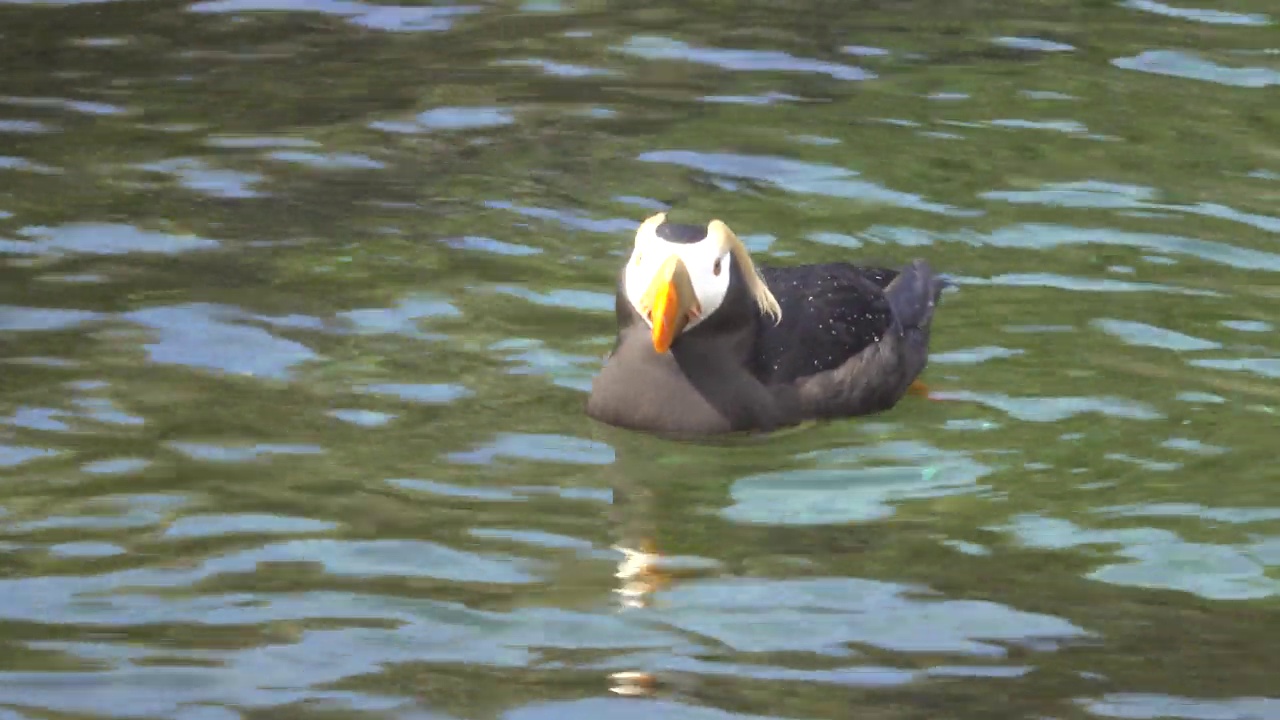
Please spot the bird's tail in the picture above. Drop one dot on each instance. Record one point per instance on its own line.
(914, 294)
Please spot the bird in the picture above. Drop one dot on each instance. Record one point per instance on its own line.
(709, 343)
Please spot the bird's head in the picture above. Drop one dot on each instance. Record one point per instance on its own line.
(679, 275)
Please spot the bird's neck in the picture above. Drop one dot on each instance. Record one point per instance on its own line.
(715, 347)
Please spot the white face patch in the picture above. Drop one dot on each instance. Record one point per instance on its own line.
(708, 265)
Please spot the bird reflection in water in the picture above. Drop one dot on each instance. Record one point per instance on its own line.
(639, 574)
(639, 578)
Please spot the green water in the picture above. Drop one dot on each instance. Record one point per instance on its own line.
(298, 310)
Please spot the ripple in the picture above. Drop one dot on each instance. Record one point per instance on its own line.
(1239, 516)
(450, 118)
(1040, 236)
(1212, 17)
(970, 425)
(1185, 65)
(1047, 95)
(973, 356)
(393, 18)
(570, 218)
(537, 448)
(258, 677)
(873, 676)
(531, 537)
(78, 106)
(900, 235)
(659, 48)
(1033, 43)
(106, 239)
(113, 512)
(1087, 194)
(115, 466)
(9, 162)
(864, 485)
(532, 357)
(45, 419)
(1054, 409)
(402, 558)
(211, 337)
(33, 418)
(1192, 446)
(795, 176)
(242, 452)
(101, 42)
(1076, 284)
(1264, 367)
(15, 455)
(557, 69)
(1069, 127)
(413, 19)
(53, 2)
(489, 245)
(1157, 559)
(1253, 326)
(1102, 195)
(197, 175)
(517, 493)
(427, 393)
(820, 140)
(258, 142)
(864, 51)
(86, 549)
(1144, 463)
(769, 98)
(27, 319)
(758, 616)
(41, 361)
(62, 598)
(402, 319)
(204, 526)
(460, 491)
(24, 127)
(588, 300)
(1200, 397)
(835, 239)
(363, 418)
(1149, 706)
(625, 709)
(104, 410)
(327, 161)
(1136, 333)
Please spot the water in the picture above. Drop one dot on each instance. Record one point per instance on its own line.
(298, 309)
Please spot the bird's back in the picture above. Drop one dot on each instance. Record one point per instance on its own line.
(830, 312)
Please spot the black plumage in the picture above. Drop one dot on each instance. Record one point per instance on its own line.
(681, 233)
(850, 341)
(830, 312)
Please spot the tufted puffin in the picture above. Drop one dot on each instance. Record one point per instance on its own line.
(709, 343)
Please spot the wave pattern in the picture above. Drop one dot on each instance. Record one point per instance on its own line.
(299, 302)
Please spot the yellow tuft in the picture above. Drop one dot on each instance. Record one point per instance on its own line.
(726, 240)
(648, 229)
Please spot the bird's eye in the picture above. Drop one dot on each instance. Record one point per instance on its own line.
(716, 268)
(637, 258)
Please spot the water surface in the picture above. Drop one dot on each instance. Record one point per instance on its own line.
(299, 303)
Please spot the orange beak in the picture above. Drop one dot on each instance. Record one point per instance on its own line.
(670, 302)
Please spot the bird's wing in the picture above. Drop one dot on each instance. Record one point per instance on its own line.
(877, 375)
(830, 312)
